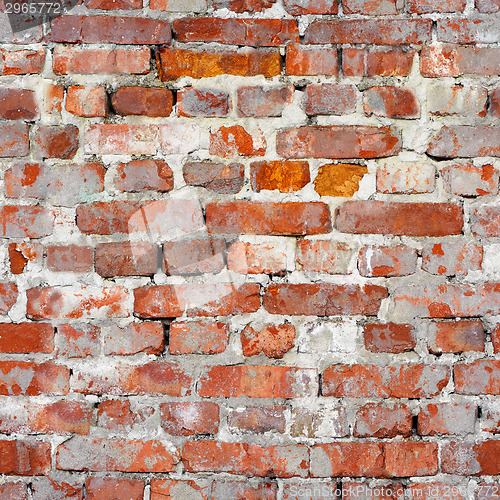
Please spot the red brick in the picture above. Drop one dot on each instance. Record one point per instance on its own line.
(21, 62)
(54, 97)
(347, 460)
(243, 5)
(448, 300)
(406, 177)
(208, 299)
(175, 63)
(57, 141)
(14, 491)
(488, 6)
(379, 420)
(116, 415)
(87, 101)
(387, 261)
(134, 139)
(467, 30)
(372, 31)
(153, 378)
(21, 254)
(446, 418)
(406, 459)
(198, 337)
(451, 259)
(258, 420)
(244, 489)
(64, 185)
(427, 6)
(8, 297)
(106, 218)
(454, 60)
(24, 458)
(485, 221)
(468, 180)
(113, 4)
(495, 339)
(18, 104)
(339, 179)
(254, 32)
(78, 340)
(147, 101)
(61, 417)
(456, 100)
(26, 337)
(495, 102)
(369, 8)
(86, 454)
(261, 101)
(411, 219)
(174, 488)
(304, 60)
(190, 419)
(202, 102)
(52, 487)
(285, 176)
(479, 377)
(372, 62)
(337, 142)
(246, 459)
(197, 256)
(109, 29)
(22, 221)
(87, 61)
(274, 341)
(14, 140)
(258, 258)
(465, 141)
(393, 102)
(490, 420)
(60, 302)
(330, 99)
(471, 459)
(71, 258)
(227, 142)
(217, 177)
(321, 420)
(134, 338)
(31, 379)
(126, 258)
(140, 175)
(257, 382)
(288, 218)
(389, 337)
(103, 488)
(323, 299)
(301, 7)
(398, 381)
(323, 256)
(155, 217)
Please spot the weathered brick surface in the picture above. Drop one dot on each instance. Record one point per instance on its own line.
(412, 219)
(250, 250)
(337, 142)
(399, 381)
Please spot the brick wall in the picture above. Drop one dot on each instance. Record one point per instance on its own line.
(251, 251)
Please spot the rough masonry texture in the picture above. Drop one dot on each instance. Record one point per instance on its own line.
(250, 251)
